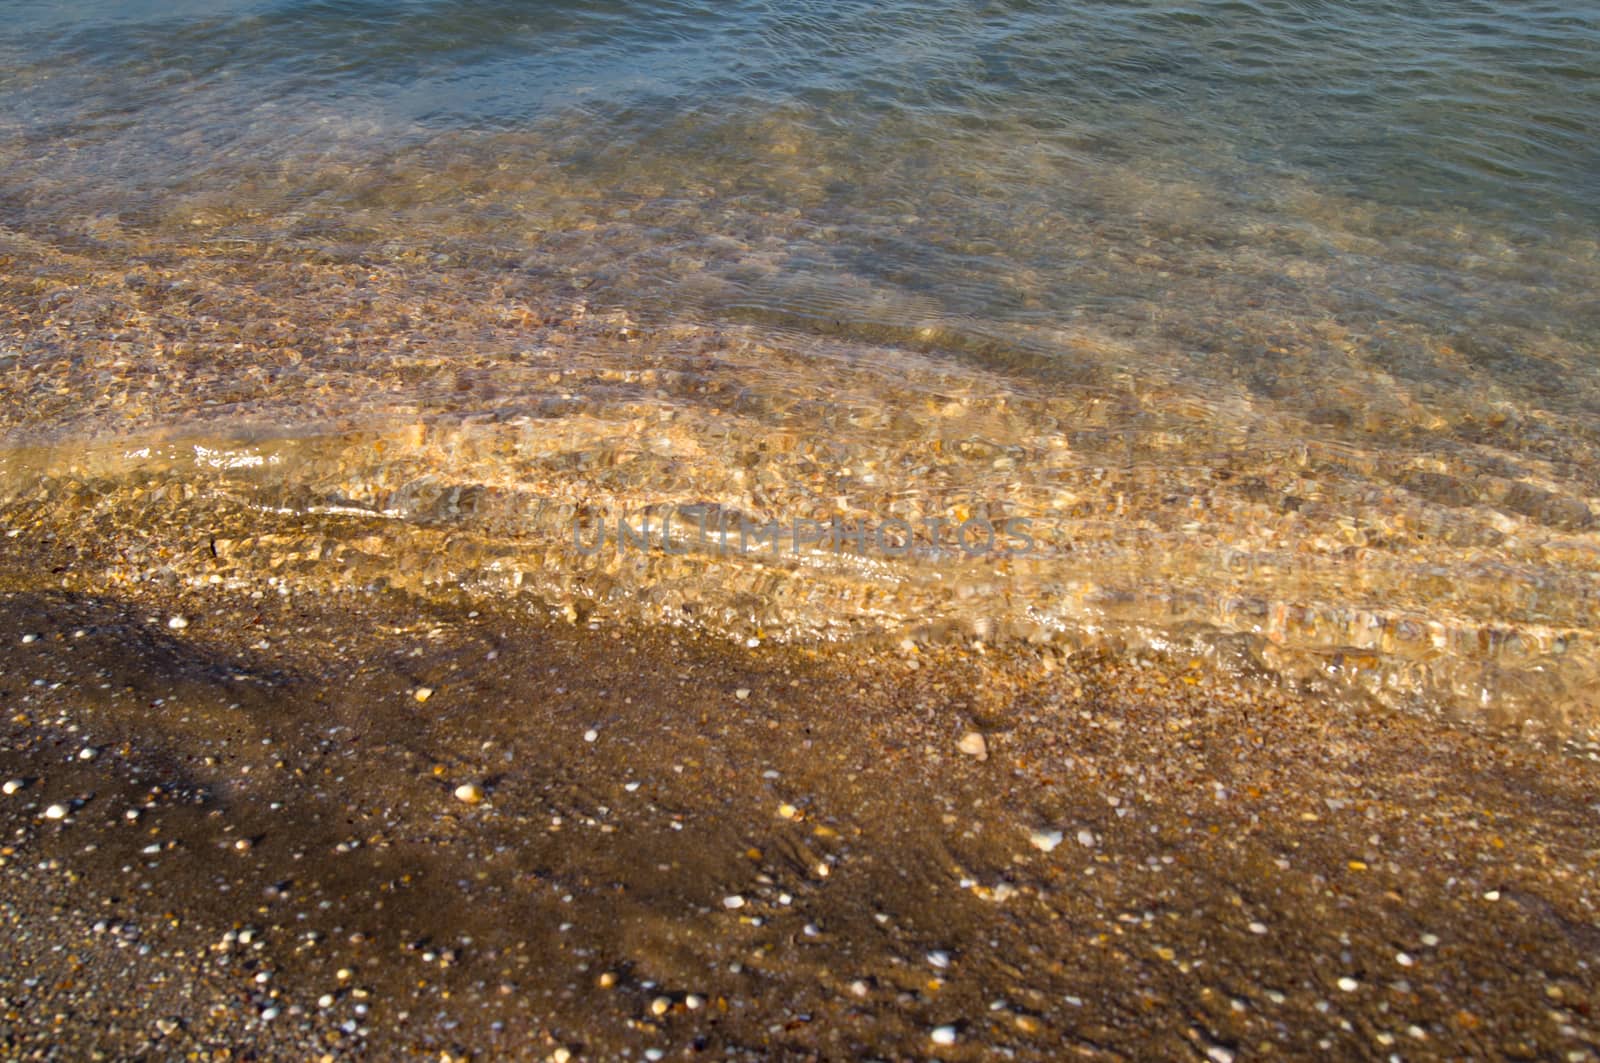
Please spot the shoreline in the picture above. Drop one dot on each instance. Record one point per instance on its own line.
(1147, 861)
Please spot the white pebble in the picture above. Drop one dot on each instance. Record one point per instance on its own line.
(943, 1035)
(469, 793)
(422, 693)
(973, 745)
(1430, 940)
(29, 638)
(1258, 928)
(88, 753)
(178, 623)
(742, 693)
(13, 786)
(1403, 959)
(1348, 984)
(56, 811)
(590, 735)
(1219, 1054)
(1492, 895)
(1045, 840)
(939, 958)
(733, 901)
(1086, 838)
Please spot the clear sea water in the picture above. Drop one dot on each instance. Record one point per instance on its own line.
(1279, 318)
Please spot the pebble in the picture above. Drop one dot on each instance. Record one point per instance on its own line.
(733, 901)
(943, 1035)
(469, 793)
(973, 745)
(939, 959)
(590, 735)
(178, 623)
(13, 786)
(660, 1006)
(88, 753)
(422, 693)
(1430, 940)
(1219, 1054)
(1258, 928)
(1045, 840)
(742, 693)
(26, 639)
(56, 811)
(1348, 984)
(1403, 959)
(1086, 838)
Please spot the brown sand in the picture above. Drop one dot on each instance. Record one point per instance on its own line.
(1241, 872)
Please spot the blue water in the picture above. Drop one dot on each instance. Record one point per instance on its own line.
(1489, 105)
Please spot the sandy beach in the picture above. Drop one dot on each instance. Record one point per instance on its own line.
(475, 836)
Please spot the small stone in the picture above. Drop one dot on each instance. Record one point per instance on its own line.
(973, 745)
(88, 753)
(561, 1055)
(1403, 959)
(167, 1027)
(422, 693)
(469, 793)
(590, 735)
(1219, 1054)
(733, 902)
(1086, 838)
(1348, 984)
(242, 845)
(939, 959)
(1492, 895)
(56, 811)
(943, 1035)
(607, 980)
(1258, 928)
(13, 786)
(742, 693)
(1430, 940)
(788, 811)
(660, 1006)
(26, 639)
(694, 1002)
(178, 623)
(1045, 840)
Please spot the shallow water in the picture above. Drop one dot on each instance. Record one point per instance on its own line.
(1274, 322)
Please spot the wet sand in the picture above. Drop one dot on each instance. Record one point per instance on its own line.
(687, 848)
